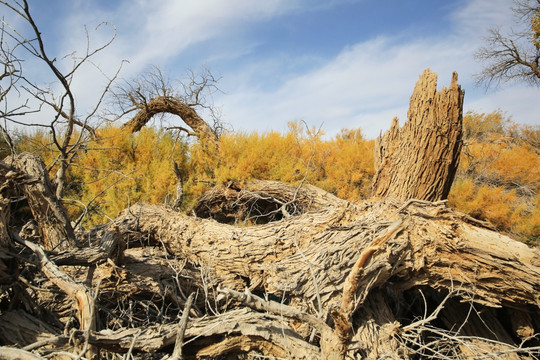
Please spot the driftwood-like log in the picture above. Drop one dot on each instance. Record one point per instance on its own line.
(419, 161)
(410, 244)
(430, 244)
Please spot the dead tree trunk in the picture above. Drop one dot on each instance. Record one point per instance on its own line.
(419, 160)
(53, 224)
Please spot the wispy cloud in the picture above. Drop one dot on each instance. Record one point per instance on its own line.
(367, 84)
(356, 89)
(151, 33)
(364, 85)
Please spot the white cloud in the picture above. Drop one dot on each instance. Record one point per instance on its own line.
(519, 102)
(153, 33)
(369, 83)
(358, 88)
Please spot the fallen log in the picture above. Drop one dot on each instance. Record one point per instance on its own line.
(430, 244)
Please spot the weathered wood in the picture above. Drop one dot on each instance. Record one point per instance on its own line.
(79, 293)
(9, 179)
(8, 353)
(406, 244)
(434, 247)
(111, 246)
(419, 161)
(239, 322)
(307, 259)
(180, 331)
(177, 202)
(261, 201)
(19, 327)
(170, 105)
(53, 224)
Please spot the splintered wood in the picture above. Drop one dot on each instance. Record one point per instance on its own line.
(419, 160)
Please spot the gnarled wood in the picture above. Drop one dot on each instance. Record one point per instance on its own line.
(239, 322)
(261, 201)
(53, 224)
(170, 105)
(419, 160)
(432, 247)
(79, 293)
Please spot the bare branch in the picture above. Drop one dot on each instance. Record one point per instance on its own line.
(514, 56)
(154, 94)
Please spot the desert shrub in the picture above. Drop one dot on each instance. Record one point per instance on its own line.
(342, 165)
(499, 174)
(119, 168)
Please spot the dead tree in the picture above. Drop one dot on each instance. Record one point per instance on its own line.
(154, 94)
(513, 54)
(68, 128)
(316, 278)
(420, 160)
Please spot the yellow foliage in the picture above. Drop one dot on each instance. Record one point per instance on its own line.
(492, 203)
(478, 126)
(535, 29)
(498, 179)
(40, 143)
(120, 168)
(499, 175)
(342, 165)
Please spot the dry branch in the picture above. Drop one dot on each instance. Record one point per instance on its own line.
(8, 353)
(170, 105)
(81, 295)
(180, 331)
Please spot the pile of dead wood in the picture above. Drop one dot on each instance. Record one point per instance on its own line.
(314, 277)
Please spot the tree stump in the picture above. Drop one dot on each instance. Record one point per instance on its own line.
(419, 161)
(48, 211)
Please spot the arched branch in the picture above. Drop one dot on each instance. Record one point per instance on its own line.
(153, 94)
(164, 104)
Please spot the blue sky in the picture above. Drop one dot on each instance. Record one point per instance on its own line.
(335, 63)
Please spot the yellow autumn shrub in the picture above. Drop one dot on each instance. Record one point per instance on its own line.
(120, 168)
(342, 165)
(498, 179)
